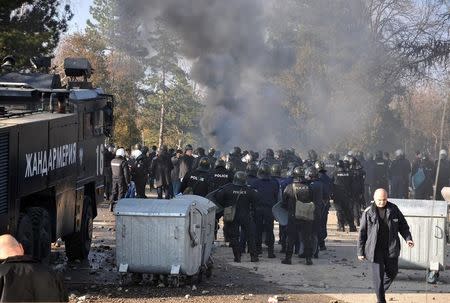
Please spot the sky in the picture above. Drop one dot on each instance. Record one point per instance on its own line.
(80, 8)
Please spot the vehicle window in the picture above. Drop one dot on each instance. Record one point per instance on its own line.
(98, 123)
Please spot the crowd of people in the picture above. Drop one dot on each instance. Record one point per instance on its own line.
(247, 187)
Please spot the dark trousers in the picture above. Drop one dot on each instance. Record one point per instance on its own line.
(264, 223)
(384, 271)
(234, 229)
(108, 182)
(305, 230)
(164, 189)
(399, 187)
(119, 189)
(140, 187)
(344, 210)
(322, 232)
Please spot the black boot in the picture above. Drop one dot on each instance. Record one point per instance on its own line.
(270, 253)
(287, 259)
(254, 258)
(237, 254)
(111, 206)
(353, 228)
(309, 261)
(322, 246)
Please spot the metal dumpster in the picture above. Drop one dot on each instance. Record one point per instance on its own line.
(427, 220)
(166, 237)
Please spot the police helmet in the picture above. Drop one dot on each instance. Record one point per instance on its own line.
(369, 156)
(220, 163)
(137, 146)
(144, 150)
(236, 150)
(263, 171)
(312, 155)
(211, 152)
(229, 166)
(275, 170)
(203, 164)
(240, 178)
(331, 156)
(120, 152)
(269, 153)
(136, 153)
(298, 173)
(251, 169)
(379, 154)
(347, 158)
(351, 160)
(319, 165)
(350, 153)
(311, 173)
(340, 163)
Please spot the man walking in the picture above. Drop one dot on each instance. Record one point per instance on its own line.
(379, 242)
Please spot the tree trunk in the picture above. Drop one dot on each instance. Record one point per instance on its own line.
(161, 125)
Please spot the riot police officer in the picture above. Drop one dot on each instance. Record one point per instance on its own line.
(357, 194)
(316, 186)
(220, 175)
(120, 177)
(297, 192)
(342, 187)
(138, 173)
(211, 157)
(198, 180)
(235, 157)
(327, 184)
(269, 159)
(330, 163)
(399, 173)
(282, 183)
(251, 170)
(108, 156)
(268, 195)
(243, 199)
(380, 172)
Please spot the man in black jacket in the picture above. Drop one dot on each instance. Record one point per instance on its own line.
(379, 242)
(160, 171)
(23, 279)
(120, 177)
(243, 198)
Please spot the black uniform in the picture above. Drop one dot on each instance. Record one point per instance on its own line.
(244, 198)
(198, 181)
(120, 177)
(298, 191)
(399, 173)
(219, 177)
(107, 158)
(358, 201)
(268, 196)
(342, 188)
(380, 175)
(22, 279)
(138, 172)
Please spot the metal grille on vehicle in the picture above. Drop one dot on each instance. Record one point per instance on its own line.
(4, 168)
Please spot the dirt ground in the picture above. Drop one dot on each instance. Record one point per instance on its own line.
(335, 277)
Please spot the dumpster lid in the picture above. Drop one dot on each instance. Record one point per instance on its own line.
(153, 207)
(421, 208)
(200, 201)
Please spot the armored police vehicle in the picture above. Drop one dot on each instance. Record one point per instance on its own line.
(51, 161)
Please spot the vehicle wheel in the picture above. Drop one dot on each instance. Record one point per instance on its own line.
(79, 243)
(432, 276)
(208, 272)
(40, 220)
(25, 234)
